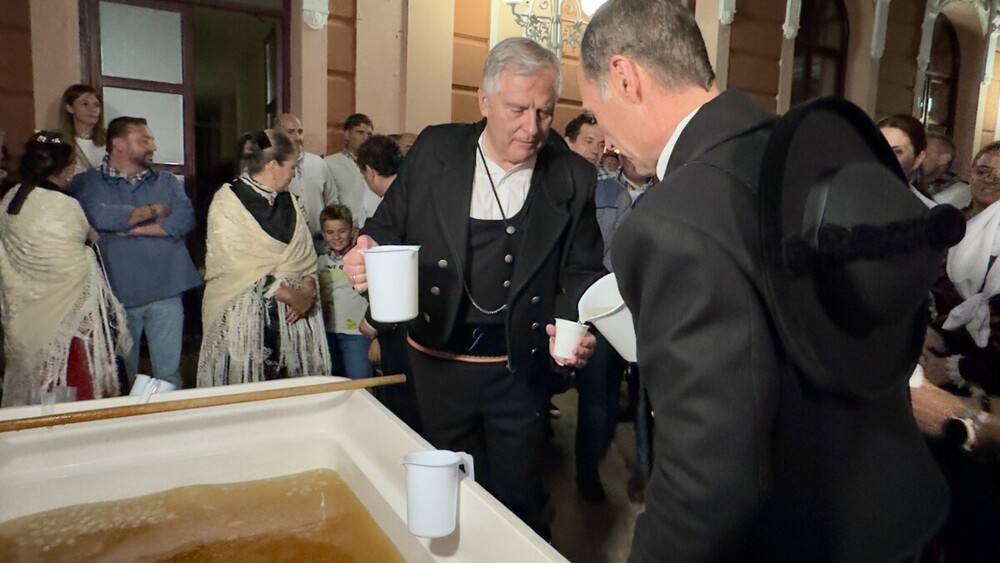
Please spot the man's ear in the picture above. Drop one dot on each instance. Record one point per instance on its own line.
(919, 159)
(484, 103)
(624, 78)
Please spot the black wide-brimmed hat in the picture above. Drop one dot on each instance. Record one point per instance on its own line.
(850, 253)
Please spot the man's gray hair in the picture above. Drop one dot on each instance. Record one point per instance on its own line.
(661, 35)
(521, 57)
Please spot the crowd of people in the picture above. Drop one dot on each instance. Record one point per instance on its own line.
(652, 182)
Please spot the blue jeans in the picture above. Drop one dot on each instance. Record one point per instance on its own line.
(349, 355)
(598, 385)
(163, 323)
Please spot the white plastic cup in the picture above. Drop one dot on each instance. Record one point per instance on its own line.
(146, 386)
(602, 305)
(568, 335)
(58, 394)
(432, 485)
(392, 282)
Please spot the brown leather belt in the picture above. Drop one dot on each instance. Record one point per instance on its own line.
(452, 356)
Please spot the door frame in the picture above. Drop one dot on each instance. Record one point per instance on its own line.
(90, 61)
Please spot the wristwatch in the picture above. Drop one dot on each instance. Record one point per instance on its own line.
(961, 429)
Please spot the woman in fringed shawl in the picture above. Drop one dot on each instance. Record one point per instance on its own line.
(261, 317)
(62, 326)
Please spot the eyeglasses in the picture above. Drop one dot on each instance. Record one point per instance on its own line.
(984, 171)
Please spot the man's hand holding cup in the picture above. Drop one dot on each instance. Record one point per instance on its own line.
(576, 351)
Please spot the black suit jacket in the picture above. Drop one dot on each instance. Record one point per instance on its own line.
(560, 249)
(751, 463)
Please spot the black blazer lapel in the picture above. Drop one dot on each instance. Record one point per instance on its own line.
(452, 195)
(547, 218)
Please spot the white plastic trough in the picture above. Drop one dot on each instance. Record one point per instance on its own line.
(348, 431)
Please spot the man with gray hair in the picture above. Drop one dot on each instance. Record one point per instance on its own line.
(509, 240)
(752, 462)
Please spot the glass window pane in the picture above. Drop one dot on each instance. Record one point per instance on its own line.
(944, 50)
(164, 112)
(830, 25)
(141, 43)
(820, 50)
(824, 76)
(939, 102)
(800, 82)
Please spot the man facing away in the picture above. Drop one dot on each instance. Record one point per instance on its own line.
(752, 462)
(143, 217)
(351, 187)
(379, 159)
(509, 240)
(313, 183)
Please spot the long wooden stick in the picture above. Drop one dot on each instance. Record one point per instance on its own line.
(195, 403)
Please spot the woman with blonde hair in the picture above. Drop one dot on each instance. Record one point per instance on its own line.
(81, 118)
(62, 325)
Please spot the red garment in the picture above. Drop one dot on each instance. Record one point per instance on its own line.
(78, 370)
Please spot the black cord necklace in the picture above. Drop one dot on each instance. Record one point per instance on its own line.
(507, 227)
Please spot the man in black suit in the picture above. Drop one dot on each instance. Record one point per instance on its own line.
(752, 462)
(509, 239)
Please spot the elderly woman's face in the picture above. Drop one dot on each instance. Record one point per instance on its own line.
(902, 146)
(283, 172)
(985, 180)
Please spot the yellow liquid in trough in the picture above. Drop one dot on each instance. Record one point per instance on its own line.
(311, 516)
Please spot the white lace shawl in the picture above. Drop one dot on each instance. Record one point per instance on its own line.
(240, 254)
(54, 290)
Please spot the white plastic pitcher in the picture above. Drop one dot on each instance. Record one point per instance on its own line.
(392, 282)
(432, 485)
(602, 305)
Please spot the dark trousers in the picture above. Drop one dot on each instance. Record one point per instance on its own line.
(598, 385)
(401, 398)
(497, 417)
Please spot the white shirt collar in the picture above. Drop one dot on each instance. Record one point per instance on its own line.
(262, 190)
(661, 164)
(511, 187)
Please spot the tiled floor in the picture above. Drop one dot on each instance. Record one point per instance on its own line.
(586, 532)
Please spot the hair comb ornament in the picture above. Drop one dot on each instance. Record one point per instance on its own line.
(261, 139)
(46, 137)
